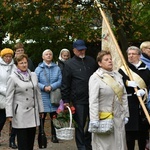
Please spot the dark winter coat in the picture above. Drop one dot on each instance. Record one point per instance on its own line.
(75, 79)
(135, 120)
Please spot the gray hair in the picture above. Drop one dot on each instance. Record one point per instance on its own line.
(134, 48)
(47, 50)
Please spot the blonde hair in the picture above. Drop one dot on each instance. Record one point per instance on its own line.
(63, 50)
(145, 44)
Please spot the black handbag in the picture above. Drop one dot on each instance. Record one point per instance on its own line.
(42, 139)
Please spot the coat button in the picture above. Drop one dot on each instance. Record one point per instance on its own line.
(26, 89)
(27, 99)
(27, 107)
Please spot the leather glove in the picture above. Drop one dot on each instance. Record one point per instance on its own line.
(132, 84)
(140, 92)
(126, 120)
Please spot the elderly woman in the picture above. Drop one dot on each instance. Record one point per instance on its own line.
(63, 56)
(49, 77)
(6, 68)
(24, 104)
(145, 56)
(107, 96)
(137, 127)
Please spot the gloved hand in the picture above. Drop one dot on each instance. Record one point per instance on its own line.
(132, 84)
(126, 120)
(93, 126)
(140, 92)
(94, 123)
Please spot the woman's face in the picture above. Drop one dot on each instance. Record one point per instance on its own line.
(146, 50)
(47, 57)
(65, 55)
(19, 51)
(23, 65)
(106, 63)
(7, 58)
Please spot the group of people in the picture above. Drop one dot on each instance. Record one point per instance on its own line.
(92, 88)
(14, 79)
(22, 96)
(113, 92)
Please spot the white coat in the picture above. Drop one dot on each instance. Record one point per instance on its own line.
(23, 100)
(103, 99)
(5, 71)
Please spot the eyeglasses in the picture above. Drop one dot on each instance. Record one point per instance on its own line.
(147, 48)
(132, 54)
(8, 57)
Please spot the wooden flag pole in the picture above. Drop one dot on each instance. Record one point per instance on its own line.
(122, 58)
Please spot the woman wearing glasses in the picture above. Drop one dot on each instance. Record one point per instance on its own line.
(6, 68)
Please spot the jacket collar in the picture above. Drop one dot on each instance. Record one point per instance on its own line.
(101, 72)
(141, 67)
(26, 77)
(78, 58)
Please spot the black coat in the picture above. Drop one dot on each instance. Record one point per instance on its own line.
(31, 65)
(61, 64)
(76, 74)
(135, 120)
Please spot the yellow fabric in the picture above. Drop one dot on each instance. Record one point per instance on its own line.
(113, 84)
(6, 51)
(136, 78)
(105, 115)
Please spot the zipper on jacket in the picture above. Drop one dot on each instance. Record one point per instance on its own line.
(83, 63)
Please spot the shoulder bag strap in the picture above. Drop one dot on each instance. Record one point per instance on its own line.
(46, 75)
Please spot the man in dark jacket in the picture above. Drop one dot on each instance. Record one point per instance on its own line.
(75, 79)
(137, 127)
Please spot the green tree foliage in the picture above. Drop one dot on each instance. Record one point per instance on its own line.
(50, 24)
(131, 19)
(55, 24)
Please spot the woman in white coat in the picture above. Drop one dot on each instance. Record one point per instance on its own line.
(23, 103)
(6, 68)
(103, 100)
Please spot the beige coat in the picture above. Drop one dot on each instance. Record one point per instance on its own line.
(103, 99)
(23, 100)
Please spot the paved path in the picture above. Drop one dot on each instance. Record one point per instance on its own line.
(62, 145)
